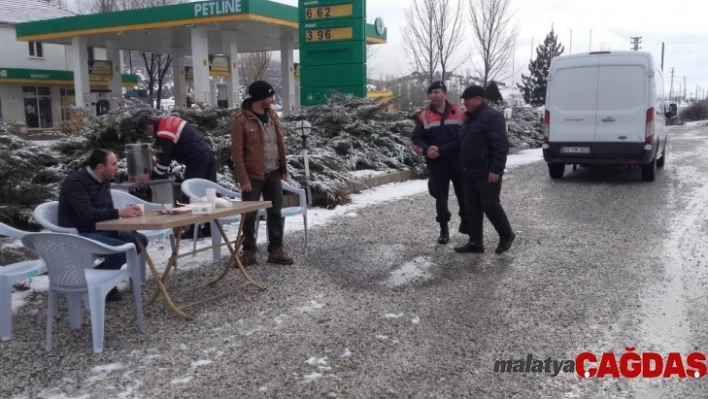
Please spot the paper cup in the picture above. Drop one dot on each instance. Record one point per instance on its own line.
(211, 195)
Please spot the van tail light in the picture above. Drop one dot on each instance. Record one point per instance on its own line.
(649, 135)
(546, 126)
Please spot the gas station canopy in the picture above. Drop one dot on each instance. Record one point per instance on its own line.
(201, 30)
(260, 25)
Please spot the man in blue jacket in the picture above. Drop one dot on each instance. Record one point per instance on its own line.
(435, 136)
(483, 149)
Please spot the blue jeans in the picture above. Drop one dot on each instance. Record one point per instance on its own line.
(114, 238)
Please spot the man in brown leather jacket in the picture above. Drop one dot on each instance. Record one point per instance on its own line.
(258, 153)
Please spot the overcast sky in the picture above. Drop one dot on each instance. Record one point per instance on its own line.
(680, 24)
(595, 25)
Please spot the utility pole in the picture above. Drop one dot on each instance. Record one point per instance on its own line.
(662, 57)
(635, 42)
(671, 88)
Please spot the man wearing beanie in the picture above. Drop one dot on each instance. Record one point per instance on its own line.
(258, 153)
(483, 152)
(436, 136)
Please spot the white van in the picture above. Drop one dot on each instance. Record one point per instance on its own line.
(605, 107)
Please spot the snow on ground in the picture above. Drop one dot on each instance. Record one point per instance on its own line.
(160, 251)
(365, 174)
(696, 123)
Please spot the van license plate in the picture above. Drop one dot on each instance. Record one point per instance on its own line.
(575, 150)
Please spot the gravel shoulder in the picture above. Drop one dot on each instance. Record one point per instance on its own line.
(375, 309)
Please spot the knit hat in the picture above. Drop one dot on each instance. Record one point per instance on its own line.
(473, 91)
(260, 90)
(143, 122)
(438, 84)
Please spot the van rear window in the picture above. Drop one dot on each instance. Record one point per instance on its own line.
(574, 89)
(622, 87)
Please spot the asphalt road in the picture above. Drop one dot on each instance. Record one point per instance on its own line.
(376, 309)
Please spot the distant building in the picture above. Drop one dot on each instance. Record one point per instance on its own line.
(36, 79)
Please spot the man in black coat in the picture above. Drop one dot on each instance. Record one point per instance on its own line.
(483, 149)
(85, 199)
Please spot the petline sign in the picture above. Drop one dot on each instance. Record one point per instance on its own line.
(629, 364)
(213, 8)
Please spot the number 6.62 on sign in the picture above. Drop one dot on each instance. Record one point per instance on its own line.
(338, 11)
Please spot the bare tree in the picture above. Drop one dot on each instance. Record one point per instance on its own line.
(449, 33)
(98, 6)
(60, 3)
(134, 4)
(158, 68)
(372, 51)
(494, 35)
(254, 66)
(433, 33)
(420, 36)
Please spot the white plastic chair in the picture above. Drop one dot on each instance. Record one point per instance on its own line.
(195, 190)
(122, 199)
(72, 274)
(10, 274)
(300, 209)
(47, 216)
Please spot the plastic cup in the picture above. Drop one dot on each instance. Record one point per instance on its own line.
(211, 195)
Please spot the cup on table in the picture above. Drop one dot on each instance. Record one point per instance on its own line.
(141, 207)
(211, 195)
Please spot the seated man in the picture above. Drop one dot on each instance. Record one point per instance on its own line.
(85, 199)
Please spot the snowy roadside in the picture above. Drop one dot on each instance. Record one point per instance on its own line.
(160, 252)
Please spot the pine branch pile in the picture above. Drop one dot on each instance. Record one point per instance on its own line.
(347, 135)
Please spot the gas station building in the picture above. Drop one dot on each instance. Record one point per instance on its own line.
(211, 33)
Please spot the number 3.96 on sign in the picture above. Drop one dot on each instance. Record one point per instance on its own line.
(313, 35)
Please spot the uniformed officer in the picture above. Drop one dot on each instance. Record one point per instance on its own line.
(177, 140)
(436, 136)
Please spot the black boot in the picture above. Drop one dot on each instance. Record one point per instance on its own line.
(206, 230)
(114, 295)
(505, 244)
(470, 247)
(189, 233)
(444, 234)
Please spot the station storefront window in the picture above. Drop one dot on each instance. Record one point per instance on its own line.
(38, 107)
(68, 100)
